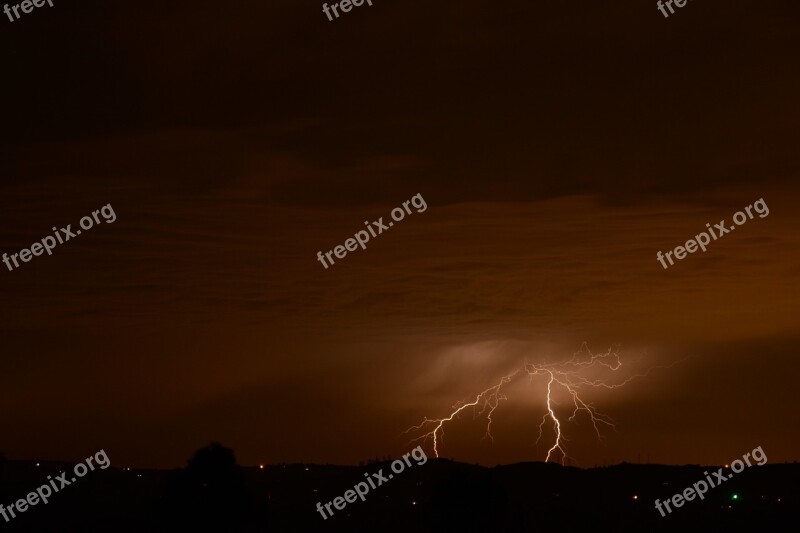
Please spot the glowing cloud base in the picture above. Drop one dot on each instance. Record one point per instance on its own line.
(569, 377)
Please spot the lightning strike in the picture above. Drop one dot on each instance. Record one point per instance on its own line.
(569, 377)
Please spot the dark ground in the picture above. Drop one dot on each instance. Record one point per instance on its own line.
(440, 496)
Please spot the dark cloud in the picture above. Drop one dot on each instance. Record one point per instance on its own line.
(558, 147)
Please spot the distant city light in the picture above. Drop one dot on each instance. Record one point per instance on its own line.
(261, 467)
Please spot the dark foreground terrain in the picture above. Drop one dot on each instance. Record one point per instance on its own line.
(213, 494)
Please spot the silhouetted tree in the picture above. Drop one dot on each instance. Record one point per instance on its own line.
(210, 494)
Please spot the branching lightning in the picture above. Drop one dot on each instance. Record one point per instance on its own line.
(569, 377)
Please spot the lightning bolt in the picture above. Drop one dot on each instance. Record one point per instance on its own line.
(569, 377)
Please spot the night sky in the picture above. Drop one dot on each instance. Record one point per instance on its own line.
(558, 146)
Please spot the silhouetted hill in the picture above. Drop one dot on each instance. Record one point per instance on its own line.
(441, 496)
